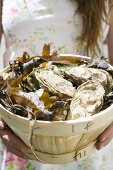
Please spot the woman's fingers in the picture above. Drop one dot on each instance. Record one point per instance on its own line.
(105, 137)
(16, 152)
(100, 145)
(10, 138)
(108, 133)
(2, 124)
(12, 142)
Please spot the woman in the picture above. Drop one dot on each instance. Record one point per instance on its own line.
(72, 26)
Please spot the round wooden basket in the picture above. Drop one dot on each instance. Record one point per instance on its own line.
(62, 141)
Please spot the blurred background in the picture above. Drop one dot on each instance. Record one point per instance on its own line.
(2, 49)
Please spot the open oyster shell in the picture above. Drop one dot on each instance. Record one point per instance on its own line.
(87, 101)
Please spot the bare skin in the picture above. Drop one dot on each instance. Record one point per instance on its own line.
(11, 141)
(17, 147)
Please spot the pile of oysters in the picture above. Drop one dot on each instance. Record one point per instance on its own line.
(56, 87)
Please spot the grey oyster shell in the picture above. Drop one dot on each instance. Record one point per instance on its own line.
(80, 75)
(60, 110)
(87, 101)
(53, 82)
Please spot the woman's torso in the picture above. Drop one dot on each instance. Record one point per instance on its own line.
(28, 25)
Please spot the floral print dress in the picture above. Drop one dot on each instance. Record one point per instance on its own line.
(28, 25)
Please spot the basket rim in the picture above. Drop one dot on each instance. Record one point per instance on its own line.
(80, 120)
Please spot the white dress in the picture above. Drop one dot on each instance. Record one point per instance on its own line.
(28, 25)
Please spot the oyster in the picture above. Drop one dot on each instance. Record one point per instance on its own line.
(88, 100)
(30, 101)
(54, 83)
(59, 114)
(79, 75)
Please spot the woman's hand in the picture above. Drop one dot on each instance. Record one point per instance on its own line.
(11, 141)
(105, 137)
